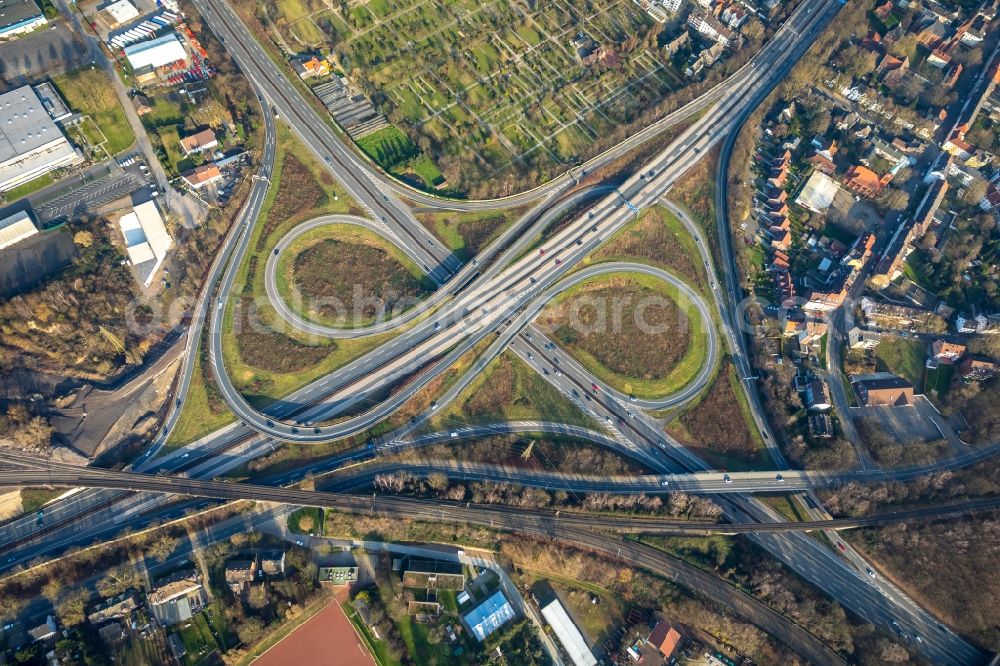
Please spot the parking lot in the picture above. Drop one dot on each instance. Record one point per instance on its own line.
(912, 422)
(91, 190)
(51, 50)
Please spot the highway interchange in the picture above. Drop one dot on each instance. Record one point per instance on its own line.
(498, 294)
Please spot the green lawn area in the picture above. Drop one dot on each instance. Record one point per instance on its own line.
(307, 520)
(30, 187)
(939, 381)
(171, 144)
(904, 357)
(32, 499)
(466, 234)
(198, 416)
(198, 639)
(378, 648)
(89, 92)
(428, 172)
(389, 147)
(509, 390)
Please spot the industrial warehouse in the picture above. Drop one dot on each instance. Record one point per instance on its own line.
(18, 17)
(31, 144)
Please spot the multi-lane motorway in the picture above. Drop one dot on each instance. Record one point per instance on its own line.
(500, 293)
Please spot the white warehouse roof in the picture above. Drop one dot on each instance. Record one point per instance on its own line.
(146, 239)
(567, 633)
(156, 52)
(15, 229)
(31, 144)
(818, 193)
(121, 11)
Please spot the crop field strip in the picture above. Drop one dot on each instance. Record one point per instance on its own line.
(513, 74)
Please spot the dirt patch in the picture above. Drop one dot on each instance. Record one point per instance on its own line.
(651, 239)
(382, 285)
(299, 192)
(706, 429)
(10, 504)
(632, 330)
(326, 639)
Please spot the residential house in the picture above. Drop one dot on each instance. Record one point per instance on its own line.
(272, 563)
(978, 369)
(44, 631)
(864, 181)
(890, 70)
(203, 175)
(946, 353)
(311, 68)
(957, 145)
(889, 316)
(822, 163)
(239, 574)
(860, 338)
(677, 43)
(980, 324)
(825, 301)
(820, 426)
(665, 639)
(711, 27)
(142, 105)
(113, 608)
(177, 598)
(817, 396)
(199, 142)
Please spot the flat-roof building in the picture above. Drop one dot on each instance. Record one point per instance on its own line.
(155, 53)
(120, 11)
(18, 17)
(177, 599)
(818, 193)
(52, 102)
(489, 616)
(146, 239)
(568, 634)
(16, 228)
(31, 144)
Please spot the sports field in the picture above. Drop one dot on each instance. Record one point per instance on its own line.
(327, 639)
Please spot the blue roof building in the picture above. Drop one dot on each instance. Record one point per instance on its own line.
(489, 616)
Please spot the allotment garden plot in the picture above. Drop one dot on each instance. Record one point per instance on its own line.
(517, 88)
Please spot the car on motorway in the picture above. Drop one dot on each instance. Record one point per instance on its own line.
(841, 546)
(607, 419)
(434, 405)
(437, 326)
(631, 398)
(558, 261)
(531, 357)
(556, 370)
(779, 478)
(664, 483)
(595, 387)
(870, 572)
(579, 241)
(727, 478)
(541, 251)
